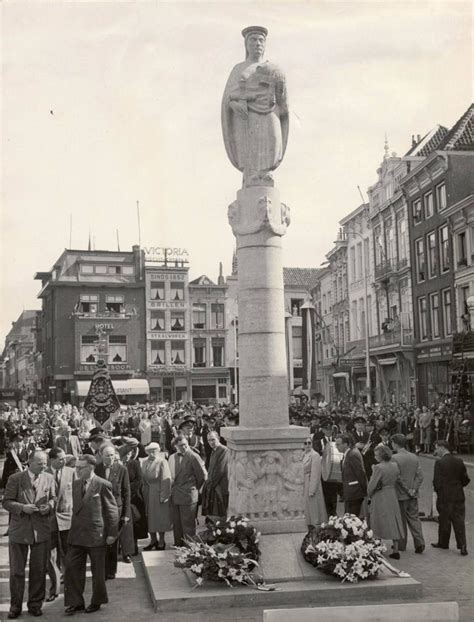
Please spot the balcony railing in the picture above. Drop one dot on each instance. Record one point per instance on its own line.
(108, 315)
(463, 342)
(385, 269)
(402, 336)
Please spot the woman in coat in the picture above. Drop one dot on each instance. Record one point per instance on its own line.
(314, 506)
(384, 510)
(139, 527)
(156, 491)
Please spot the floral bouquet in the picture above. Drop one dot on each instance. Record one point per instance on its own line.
(215, 563)
(344, 547)
(234, 531)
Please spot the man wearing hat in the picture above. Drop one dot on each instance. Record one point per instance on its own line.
(69, 443)
(360, 433)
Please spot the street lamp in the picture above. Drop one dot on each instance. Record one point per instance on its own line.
(308, 306)
(368, 386)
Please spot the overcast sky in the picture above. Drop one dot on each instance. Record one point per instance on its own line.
(108, 103)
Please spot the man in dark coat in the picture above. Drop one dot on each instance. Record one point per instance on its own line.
(354, 480)
(188, 475)
(94, 525)
(30, 498)
(114, 472)
(215, 494)
(450, 477)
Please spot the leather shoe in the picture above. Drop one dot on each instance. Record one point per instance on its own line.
(92, 608)
(419, 549)
(13, 615)
(394, 555)
(437, 545)
(70, 611)
(109, 576)
(35, 612)
(127, 559)
(463, 550)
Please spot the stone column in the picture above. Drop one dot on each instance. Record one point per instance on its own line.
(266, 473)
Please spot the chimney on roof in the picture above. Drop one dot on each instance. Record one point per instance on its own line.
(413, 140)
(418, 138)
(220, 279)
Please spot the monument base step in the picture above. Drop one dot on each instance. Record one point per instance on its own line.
(296, 582)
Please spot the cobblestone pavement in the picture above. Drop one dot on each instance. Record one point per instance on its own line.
(445, 575)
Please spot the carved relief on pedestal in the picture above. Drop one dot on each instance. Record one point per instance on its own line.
(267, 485)
(264, 214)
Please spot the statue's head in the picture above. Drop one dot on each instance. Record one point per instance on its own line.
(255, 39)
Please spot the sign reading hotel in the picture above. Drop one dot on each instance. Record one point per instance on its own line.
(165, 254)
(167, 304)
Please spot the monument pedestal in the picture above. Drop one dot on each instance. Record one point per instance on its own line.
(266, 476)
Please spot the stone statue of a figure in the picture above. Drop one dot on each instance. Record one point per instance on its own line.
(255, 113)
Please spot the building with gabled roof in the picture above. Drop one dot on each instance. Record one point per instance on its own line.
(442, 179)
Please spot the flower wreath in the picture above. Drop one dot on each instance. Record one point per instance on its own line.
(344, 547)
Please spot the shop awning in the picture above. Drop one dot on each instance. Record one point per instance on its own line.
(341, 374)
(388, 361)
(134, 386)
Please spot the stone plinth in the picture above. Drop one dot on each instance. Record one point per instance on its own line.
(266, 476)
(171, 589)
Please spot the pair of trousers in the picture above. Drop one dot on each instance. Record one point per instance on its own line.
(18, 554)
(330, 492)
(184, 521)
(56, 560)
(75, 577)
(353, 506)
(451, 513)
(410, 519)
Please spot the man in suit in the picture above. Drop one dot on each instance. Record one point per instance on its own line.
(64, 477)
(408, 486)
(450, 477)
(215, 494)
(188, 475)
(354, 480)
(69, 443)
(16, 457)
(94, 525)
(115, 473)
(360, 434)
(30, 497)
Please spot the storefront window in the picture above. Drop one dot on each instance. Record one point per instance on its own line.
(447, 312)
(199, 315)
(117, 348)
(218, 352)
(158, 352)
(199, 351)
(88, 304)
(422, 313)
(177, 353)
(89, 348)
(217, 315)
(157, 320)
(157, 290)
(444, 247)
(434, 312)
(177, 291)
(177, 320)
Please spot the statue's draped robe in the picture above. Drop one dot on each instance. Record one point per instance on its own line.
(256, 145)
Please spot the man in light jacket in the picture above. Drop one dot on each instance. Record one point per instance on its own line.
(407, 489)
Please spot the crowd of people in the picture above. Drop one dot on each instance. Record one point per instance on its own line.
(75, 489)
